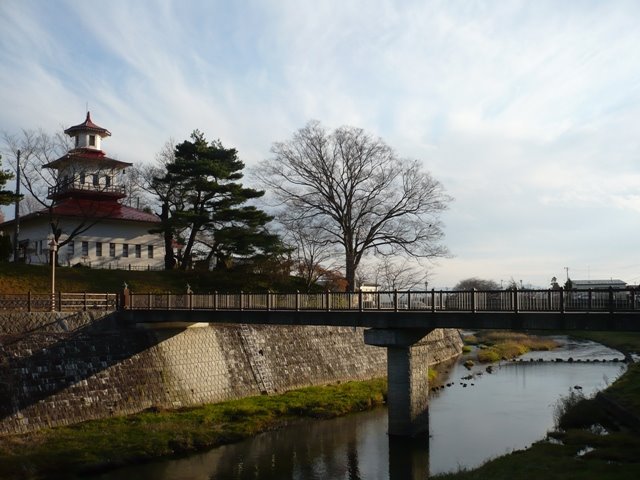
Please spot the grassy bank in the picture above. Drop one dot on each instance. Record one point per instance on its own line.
(20, 278)
(496, 345)
(581, 451)
(117, 441)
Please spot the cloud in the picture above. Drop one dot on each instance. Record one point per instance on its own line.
(526, 111)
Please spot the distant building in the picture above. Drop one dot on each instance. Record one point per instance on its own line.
(89, 192)
(595, 284)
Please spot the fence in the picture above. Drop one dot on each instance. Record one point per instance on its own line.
(62, 302)
(607, 300)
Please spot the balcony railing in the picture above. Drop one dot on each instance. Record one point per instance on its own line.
(115, 190)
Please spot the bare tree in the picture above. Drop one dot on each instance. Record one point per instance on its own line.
(38, 148)
(166, 194)
(29, 204)
(355, 189)
(400, 274)
(313, 251)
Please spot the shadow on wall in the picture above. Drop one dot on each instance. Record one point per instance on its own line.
(44, 372)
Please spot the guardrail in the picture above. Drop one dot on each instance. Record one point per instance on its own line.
(560, 301)
(472, 301)
(62, 302)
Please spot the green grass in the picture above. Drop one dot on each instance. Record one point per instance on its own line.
(20, 278)
(117, 441)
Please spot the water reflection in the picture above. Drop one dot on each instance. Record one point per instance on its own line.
(408, 458)
(496, 413)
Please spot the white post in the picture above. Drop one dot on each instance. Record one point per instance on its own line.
(53, 248)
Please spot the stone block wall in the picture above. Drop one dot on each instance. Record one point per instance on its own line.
(59, 369)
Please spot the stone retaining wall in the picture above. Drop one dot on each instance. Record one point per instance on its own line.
(58, 369)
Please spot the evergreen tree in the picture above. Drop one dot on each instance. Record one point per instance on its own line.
(209, 204)
(7, 197)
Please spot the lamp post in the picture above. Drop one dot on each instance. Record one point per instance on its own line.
(53, 248)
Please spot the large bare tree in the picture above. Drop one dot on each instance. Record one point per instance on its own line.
(355, 189)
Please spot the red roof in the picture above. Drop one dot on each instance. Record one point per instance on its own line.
(79, 154)
(98, 209)
(105, 210)
(88, 126)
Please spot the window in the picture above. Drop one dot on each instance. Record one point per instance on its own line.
(98, 249)
(107, 181)
(92, 140)
(150, 251)
(112, 249)
(77, 141)
(138, 251)
(96, 179)
(82, 178)
(85, 249)
(125, 250)
(71, 249)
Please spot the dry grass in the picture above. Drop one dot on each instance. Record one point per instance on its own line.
(506, 345)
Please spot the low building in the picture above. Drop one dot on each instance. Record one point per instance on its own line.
(92, 225)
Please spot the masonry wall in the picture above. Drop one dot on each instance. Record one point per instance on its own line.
(58, 369)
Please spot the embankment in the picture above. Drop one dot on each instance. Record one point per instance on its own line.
(59, 369)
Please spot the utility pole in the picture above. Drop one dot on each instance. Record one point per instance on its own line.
(16, 233)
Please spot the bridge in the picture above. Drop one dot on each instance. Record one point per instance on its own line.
(397, 321)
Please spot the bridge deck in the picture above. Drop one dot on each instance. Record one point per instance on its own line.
(503, 309)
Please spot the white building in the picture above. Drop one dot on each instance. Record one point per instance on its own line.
(597, 284)
(87, 206)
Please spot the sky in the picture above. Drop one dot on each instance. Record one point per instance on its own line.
(527, 112)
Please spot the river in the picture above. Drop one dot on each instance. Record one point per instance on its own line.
(471, 421)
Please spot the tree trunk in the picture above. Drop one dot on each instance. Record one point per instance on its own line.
(350, 271)
(169, 257)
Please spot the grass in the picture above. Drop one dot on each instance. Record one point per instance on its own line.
(108, 443)
(494, 346)
(20, 278)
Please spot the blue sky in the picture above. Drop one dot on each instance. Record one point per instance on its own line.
(527, 112)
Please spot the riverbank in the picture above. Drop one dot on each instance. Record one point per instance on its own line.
(592, 443)
(102, 444)
(110, 443)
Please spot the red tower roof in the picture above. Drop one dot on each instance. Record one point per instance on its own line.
(88, 126)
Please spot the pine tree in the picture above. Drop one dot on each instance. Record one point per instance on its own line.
(7, 197)
(211, 210)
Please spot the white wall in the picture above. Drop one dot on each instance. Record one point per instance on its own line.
(105, 232)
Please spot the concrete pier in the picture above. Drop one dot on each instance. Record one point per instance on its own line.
(408, 379)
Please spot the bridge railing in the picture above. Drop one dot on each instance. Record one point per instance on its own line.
(60, 301)
(605, 300)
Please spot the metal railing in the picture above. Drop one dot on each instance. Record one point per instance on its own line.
(117, 190)
(472, 301)
(62, 302)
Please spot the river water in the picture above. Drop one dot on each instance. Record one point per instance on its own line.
(471, 421)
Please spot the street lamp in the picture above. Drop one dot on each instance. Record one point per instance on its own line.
(53, 248)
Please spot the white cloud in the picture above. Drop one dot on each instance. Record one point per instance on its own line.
(527, 111)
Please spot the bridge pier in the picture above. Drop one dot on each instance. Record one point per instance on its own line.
(408, 379)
